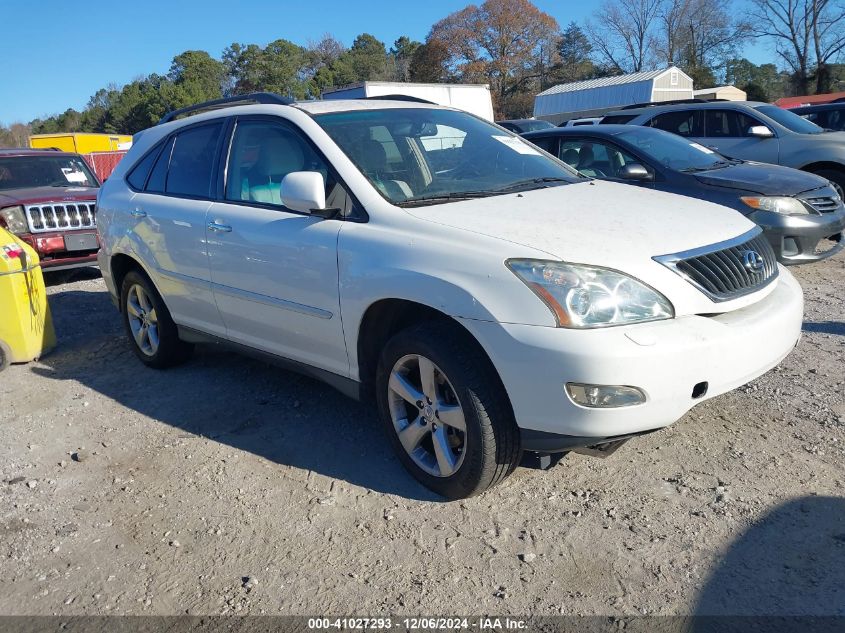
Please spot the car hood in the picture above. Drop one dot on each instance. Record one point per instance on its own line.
(595, 222)
(37, 195)
(606, 224)
(764, 179)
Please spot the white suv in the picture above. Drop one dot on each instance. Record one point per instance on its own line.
(491, 299)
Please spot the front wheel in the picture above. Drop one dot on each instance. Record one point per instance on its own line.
(446, 411)
(836, 178)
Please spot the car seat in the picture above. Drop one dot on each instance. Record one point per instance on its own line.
(570, 157)
(278, 156)
(372, 159)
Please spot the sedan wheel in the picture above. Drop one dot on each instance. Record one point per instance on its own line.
(427, 415)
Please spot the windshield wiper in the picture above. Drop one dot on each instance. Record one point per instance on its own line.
(717, 165)
(445, 197)
(527, 184)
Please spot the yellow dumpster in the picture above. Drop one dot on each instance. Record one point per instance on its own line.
(26, 329)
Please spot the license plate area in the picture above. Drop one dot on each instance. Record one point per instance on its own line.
(81, 242)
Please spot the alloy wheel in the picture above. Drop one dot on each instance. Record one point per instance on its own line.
(427, 415)
(143, 321)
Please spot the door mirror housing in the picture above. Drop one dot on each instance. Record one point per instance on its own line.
(304, 191)
(760, 131)
(634, 171)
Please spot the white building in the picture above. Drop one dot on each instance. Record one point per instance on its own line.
(595, 97)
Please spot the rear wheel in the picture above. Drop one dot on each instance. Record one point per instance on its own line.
(148, 324)
(445, 411)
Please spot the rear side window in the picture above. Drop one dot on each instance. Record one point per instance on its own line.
(192, 161)
(138, 176)
(159, 173)
(683, 123)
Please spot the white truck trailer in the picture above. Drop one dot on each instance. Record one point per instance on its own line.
(472, 98)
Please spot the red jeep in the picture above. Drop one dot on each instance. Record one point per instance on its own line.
(48, 199)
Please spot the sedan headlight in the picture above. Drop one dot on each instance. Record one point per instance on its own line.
(588, 296)
(776, 204)
(15, 219)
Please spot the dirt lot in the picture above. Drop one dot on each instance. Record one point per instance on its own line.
(227, 486)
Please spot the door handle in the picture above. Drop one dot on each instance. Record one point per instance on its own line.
(138, 213)
(219, 228)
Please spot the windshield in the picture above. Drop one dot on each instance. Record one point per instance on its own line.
(18, 172)
(428, 156)
(790, 120)
(672, 151)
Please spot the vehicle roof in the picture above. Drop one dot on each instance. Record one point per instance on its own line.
(602, 131)
(820, 107)
(517, 120)
(26, 151)
(705, 105)
(344, 105)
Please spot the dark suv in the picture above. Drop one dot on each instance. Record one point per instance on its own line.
(827, 115)
(48, 199)
(748, 131)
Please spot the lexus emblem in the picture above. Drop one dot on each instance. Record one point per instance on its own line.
(752, 261)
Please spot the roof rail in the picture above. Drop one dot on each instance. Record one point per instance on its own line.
(648, 104)
(401, 98)
(227, 102)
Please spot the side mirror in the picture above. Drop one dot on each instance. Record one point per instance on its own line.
(634, 171)
(304, 191)
(760, 131)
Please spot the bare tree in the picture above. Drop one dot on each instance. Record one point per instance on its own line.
(622, 33)
(828, 38)
(699, 33)
(805, 33)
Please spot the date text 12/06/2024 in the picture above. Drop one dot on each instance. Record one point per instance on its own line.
(419, 623)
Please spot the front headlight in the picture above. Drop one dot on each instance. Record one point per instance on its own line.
(588, 296)
(776, 204)
(15, 219)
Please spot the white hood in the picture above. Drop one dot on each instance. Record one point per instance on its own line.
(601, 223)
(605, 224)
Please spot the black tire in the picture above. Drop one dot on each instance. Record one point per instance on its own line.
(4, 359)
(170, 351)
(836, 177)
(491, 449)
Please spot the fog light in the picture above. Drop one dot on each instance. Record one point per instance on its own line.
(604, 396)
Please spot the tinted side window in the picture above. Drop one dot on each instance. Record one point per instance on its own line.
(617, 119)
(548, 144)
(191, 164)
(159, 173)
(594, 158)
(727, 123)
(137, 178)
(684, 123)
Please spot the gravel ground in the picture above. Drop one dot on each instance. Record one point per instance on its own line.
(228, 486)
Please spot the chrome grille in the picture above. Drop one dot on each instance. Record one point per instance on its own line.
(823, 204)
(61, 216)
(727, 270)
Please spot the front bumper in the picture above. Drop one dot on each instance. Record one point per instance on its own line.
(666, 359)
(54, 254)
(796, 238)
